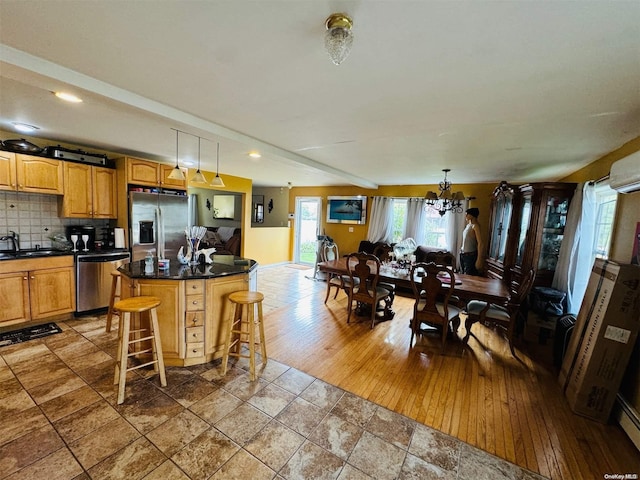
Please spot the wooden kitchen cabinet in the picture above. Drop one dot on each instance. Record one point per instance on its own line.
(35, 289)
(14, 298)
(8, 171)
(39, 174)
(27, 173)
(153, 174)
(93, 194)
(171, 314)
(191, 316)
(218, 310)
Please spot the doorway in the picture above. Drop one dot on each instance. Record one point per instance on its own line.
(307, 227)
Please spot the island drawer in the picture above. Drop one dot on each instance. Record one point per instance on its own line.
(195, 302)
(195, 349)
(195, 318)
(194, 287)
(195, 334)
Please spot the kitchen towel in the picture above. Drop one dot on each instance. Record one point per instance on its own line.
(119, 237)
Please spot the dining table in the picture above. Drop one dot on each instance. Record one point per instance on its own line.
(467, 287)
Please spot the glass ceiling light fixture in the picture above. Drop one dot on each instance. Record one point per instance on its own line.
(176, 173)
(217, 181)
(68, 97)
(24, 127)
(339, 37)
(199, 177)
(445, 201)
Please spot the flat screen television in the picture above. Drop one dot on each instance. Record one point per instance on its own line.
(347, 209)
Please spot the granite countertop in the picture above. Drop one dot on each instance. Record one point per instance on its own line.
(223, 265)
(40, 253)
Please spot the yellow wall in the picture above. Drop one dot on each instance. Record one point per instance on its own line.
(349, 241)
(628, 206)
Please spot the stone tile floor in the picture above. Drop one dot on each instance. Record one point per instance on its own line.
(59, 420)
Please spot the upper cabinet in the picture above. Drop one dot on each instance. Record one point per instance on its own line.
(500, 251)
(93, 194)
(153, 174)
(26, 173)
(546, 205)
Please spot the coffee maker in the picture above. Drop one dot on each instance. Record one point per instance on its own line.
(80, 230)
(108, 238)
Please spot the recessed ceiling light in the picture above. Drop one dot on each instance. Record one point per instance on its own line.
(69, 97)
(255, 154)
(24, 127)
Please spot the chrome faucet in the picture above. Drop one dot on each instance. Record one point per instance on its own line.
(14, 238)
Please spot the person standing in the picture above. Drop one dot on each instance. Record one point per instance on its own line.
(471, 261)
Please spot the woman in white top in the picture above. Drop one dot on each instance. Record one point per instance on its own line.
(472, 246)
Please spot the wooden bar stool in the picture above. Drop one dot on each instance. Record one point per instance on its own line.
(126, 307)
(115, 276)
(243, 326)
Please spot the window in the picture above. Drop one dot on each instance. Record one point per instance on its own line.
(399, 219)
(435, 225)
(435, 230)
(606, 209)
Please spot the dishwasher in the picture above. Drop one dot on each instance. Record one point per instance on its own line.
(93, 279)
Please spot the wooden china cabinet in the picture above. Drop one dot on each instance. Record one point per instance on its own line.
(542, 216)
(500, 251)
(526, 228)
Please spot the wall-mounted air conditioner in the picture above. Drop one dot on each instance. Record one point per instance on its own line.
(625, 174)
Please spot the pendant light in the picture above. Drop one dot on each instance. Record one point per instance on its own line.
(217, 182)
(199, 177)
(176, 173)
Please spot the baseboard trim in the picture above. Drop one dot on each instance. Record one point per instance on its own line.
(629, 419)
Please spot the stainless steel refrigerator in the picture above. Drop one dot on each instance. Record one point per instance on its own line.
(157, 223)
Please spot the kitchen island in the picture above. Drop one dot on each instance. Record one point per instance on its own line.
(194, 305)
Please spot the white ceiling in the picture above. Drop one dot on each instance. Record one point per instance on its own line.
(522, 91)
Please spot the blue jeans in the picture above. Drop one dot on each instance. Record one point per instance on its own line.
(468, 263)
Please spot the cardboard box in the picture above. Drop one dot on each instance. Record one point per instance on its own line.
(602, 341)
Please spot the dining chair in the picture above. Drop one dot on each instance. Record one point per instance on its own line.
(442, 258)
(505, 315)
(364, 273)
(337, 281)
(433, 287)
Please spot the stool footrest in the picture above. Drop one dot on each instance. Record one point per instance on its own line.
(142, 339)
(140, 352)
(142, 365)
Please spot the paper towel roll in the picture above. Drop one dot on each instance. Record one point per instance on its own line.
(119, 237)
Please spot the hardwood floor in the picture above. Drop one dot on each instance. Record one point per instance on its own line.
(481, 394)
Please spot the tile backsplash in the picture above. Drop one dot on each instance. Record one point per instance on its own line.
(34, 217)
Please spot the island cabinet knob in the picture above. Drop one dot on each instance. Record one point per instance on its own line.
(194, 319)
(195, 302)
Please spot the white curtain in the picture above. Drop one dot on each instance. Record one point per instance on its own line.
(416, 220)
(575, 260)
(455, 226)
(381, 222)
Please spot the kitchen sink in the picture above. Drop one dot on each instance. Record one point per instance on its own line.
(31, 254)
(36, 253)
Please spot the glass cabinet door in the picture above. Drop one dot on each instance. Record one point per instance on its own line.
(502, 212)
(525, 216)
(555, 219)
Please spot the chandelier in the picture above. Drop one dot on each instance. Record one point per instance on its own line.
(339, 37)
(445, 201)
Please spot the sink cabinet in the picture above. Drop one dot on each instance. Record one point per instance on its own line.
(27, 173)
(93, 194)
(35, 289)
